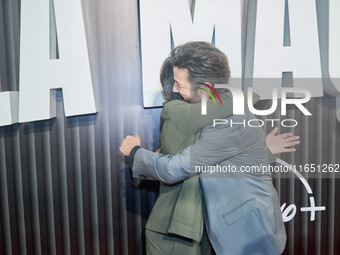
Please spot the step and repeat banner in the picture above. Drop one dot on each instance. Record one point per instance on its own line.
(77, 76)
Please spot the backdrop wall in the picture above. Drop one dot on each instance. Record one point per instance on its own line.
(64, 187)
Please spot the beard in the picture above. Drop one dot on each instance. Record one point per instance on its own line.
(195, 96)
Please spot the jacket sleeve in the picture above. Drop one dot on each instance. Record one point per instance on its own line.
(206, 151)
(188, 118)
(166, 168)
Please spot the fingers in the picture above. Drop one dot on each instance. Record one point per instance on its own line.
(286, 135)
(290, 144)
(289, 150)
(128, 143)
(122, 150)
(274, 131)
(293, 138)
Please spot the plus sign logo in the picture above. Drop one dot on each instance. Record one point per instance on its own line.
(289, 212)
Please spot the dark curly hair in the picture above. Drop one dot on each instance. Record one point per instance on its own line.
(204, 62)
(167, 81)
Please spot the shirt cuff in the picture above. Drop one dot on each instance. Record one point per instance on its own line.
(271, 157)
(131, 157)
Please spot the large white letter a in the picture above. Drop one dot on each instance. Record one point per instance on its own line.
(39, 74)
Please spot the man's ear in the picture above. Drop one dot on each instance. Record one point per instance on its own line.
(206, 85)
